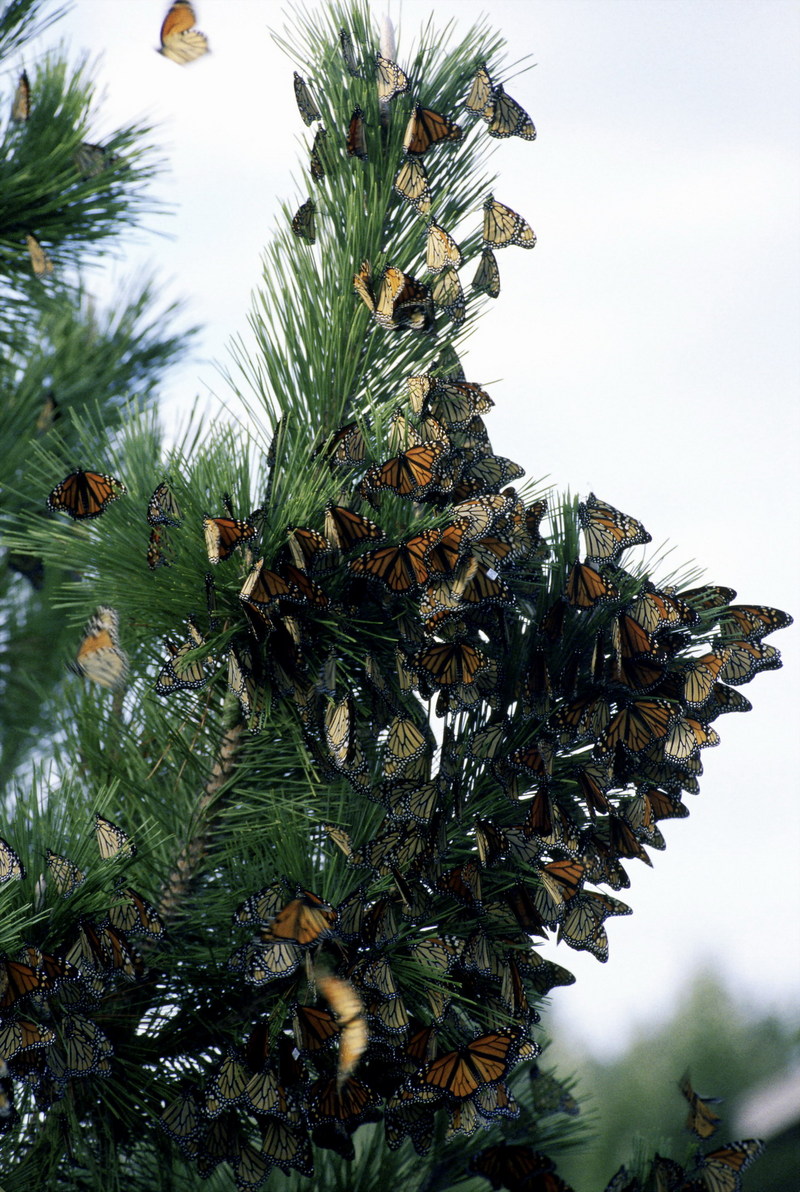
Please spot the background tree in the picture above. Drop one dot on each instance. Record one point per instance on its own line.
(450, 736)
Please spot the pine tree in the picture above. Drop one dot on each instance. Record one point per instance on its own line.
(360, 730)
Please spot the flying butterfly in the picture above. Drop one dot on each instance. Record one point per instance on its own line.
(507, 1166)
(441, 249)
(411, 183)
(99, 656)
(224, 534)
(487, 275)
(162, 508)
(502, 226)
(348, 1011)
(180, 41)
(21, 103)
(85, 495)
(721, 1170)
(11, 867)
(400, 300)
(304, 222)
(40, 261)
(426, 128)
(302, 921)
(391, 79)
(356, 136)
(702, 1119)
(607, 532)
(306, 105)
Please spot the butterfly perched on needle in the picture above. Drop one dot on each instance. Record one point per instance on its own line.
(304, 222)
(411, 183)
(99, 656)
(426, 128)
(504, 116)
(305, 103)
(40, 261)
(21, 103)
(224, 534)
(398, 301)
(180, 41)
(502, 226)
(356, 136)
(391, 79)
(85, 494)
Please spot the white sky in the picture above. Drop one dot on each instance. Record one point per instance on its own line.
(647, 350)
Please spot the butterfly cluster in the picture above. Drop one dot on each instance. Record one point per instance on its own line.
(55, 1008)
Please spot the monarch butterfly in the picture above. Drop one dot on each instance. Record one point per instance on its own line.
(586, 588)
(135, 915)
(654, 609)
(85, 494)
(11, 868)
(224, 534)
(340, 730)
(307, 108)
(346, 528)
(751, 622)
(287, 1147)
(462, 1072)
(725, 699)
(181, 673)
(101, 948)
(18, 980)
(448, 294)
(304, 222)
(550, 1095)
(91, 160)
(463, 883)
(227, 1085)
(685, 738)
(507, 118)
(401, 567)
(179, 40)
(411, 183)
(702, 1120)
(480, 92)
(314, 1028)
(21, 103)
(721, 1170)
(391, 79)
(404, 744)
(160, 552)
(455, 403)
(708, 597)
(263, 906)
(262, 963)
(639, 725)
(487, 275)
(582, 925)
(301, 921)
(315, 158)
(425, 128)
(66, 874)
(506, 1166)
(348, 1010)
(99, 656)
(19, 1034)
(482, 471)
(40, 261)
(162, 508)
(183, 1119)
(401, 300)
(111, 840)
(348, 53)
(502, 226)
(441, 249)
(409, 474)
(356, 136)
(344, 1106)
(448, 663)
(607, 532)
(746, 659)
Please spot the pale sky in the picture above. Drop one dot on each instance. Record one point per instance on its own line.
(647, 350)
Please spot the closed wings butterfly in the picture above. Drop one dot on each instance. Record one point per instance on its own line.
(502, 226)
(306, 105)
